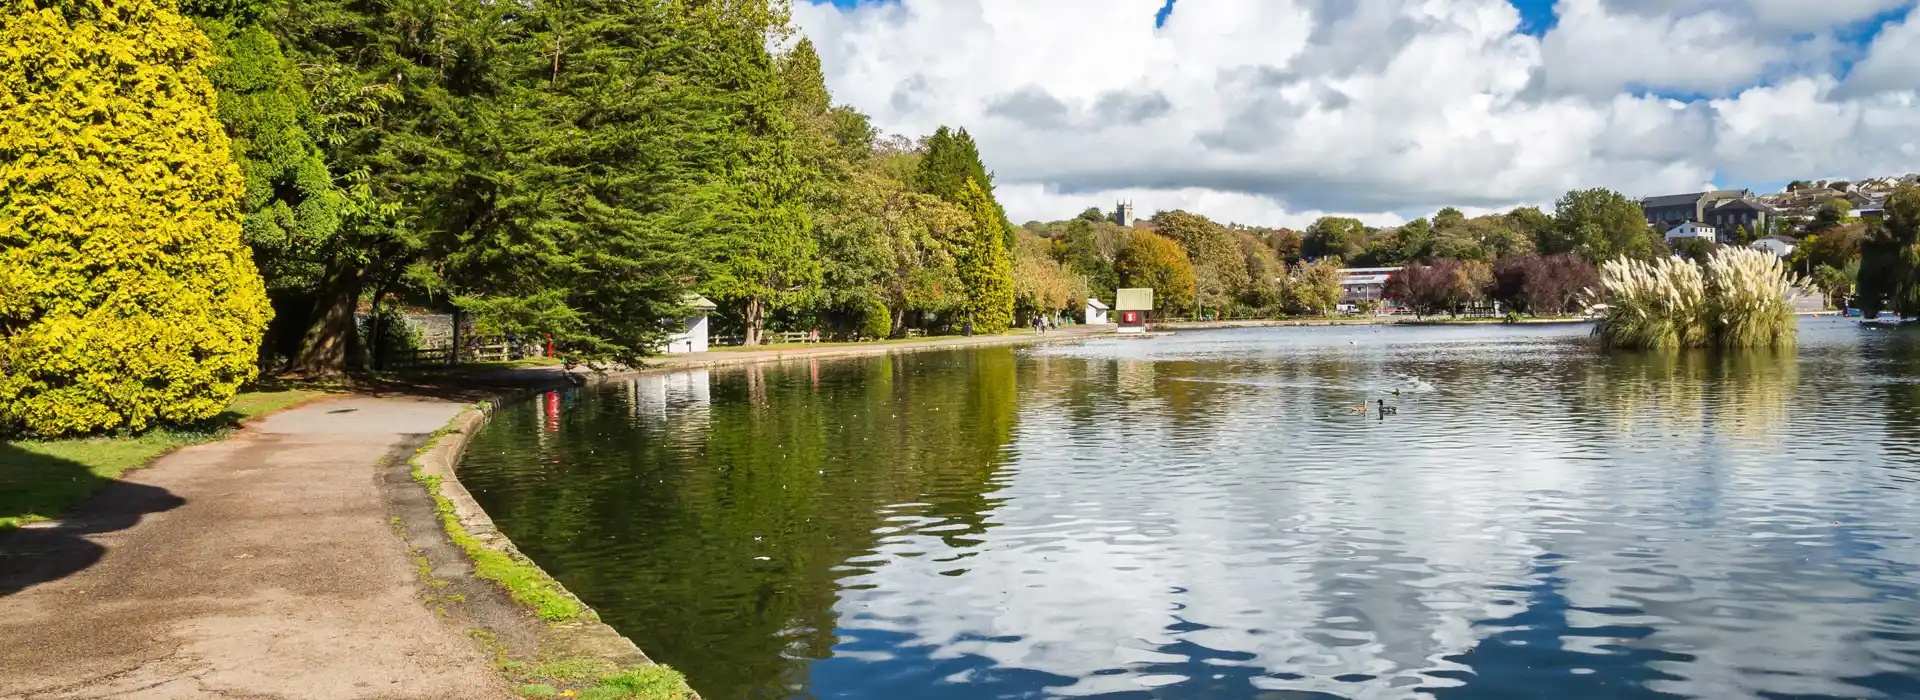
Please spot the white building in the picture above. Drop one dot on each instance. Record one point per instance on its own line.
(1364, 283)
(1096, 312)
(1693, 229)
(1780, 246)
(693, 328)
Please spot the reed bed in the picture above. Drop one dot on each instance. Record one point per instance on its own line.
(1738, 298)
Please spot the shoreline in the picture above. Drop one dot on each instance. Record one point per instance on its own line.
(1365, 321)
(580, 634)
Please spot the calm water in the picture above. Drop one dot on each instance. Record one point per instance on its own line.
(1202, 516)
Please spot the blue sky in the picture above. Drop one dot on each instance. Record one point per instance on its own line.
(1478, 121)
(1536, 17)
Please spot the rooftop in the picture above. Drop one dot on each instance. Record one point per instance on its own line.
(1673, 200)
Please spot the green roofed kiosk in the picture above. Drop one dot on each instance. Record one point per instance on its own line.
(1132, 307)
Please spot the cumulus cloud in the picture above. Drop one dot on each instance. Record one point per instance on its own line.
(1275, 111)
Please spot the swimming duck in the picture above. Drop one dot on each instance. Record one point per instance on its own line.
(1360, 409)
(1386, 410)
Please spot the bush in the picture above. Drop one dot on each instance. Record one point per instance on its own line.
(389, 334)
(126, 296)
(877, 322)
(1742, 299)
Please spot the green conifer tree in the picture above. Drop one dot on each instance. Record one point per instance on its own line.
(762, 255)
(951, 160)
(292, 208)
(126, 295)
(986, 268)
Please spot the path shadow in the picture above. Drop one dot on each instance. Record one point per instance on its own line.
(462, 386)
(40, 554)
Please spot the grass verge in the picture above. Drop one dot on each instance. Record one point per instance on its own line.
(529, 585)
(42, 479)
(585, 679)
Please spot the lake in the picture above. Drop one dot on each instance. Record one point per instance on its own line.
(1208, 515)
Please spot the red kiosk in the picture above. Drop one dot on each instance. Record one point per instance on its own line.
(1132, 307)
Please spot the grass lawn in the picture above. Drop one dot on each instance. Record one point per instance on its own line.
(42, 479)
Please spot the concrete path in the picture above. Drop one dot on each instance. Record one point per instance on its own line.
(261, 566)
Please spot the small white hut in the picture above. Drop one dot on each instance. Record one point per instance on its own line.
(1096, 312)
(693, 330)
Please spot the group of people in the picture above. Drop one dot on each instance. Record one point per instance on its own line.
(1040, 323)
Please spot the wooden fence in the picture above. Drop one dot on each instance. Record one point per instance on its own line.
(430, 357)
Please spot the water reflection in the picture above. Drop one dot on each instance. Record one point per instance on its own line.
(1202, 516)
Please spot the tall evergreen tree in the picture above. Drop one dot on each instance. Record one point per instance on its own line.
(950, 162)
(804, 84)
(762, 255)
(292, 206)
(390, 85)
(986, 267)
(587, 175)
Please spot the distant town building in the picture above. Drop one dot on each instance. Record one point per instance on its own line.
(1693, 229)
(1123, 214)
(1724, 210)
(1780, 246)
(1364, 283)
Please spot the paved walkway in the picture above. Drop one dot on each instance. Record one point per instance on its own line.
(261, 566)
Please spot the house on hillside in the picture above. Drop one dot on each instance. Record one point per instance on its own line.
(1667, 211)
(1725, 210)
(1730, 215)
(1779, 246)
(1364, 283)
(1693, 229)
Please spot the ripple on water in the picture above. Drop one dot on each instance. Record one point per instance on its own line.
(1203, 516)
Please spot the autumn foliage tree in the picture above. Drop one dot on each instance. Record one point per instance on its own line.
(1219, 265)
(126, 295)
(1442, 285)
(1041, 284)
(1153, 260)
(1544, 285)
(1314, 288)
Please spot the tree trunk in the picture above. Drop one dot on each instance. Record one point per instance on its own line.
(755, 309)
(899, 321)
(324, 349)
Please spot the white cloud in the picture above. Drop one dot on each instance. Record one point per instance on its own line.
(1893, 61)
(1273, 111)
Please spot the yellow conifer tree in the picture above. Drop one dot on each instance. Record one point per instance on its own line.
(127, 298)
